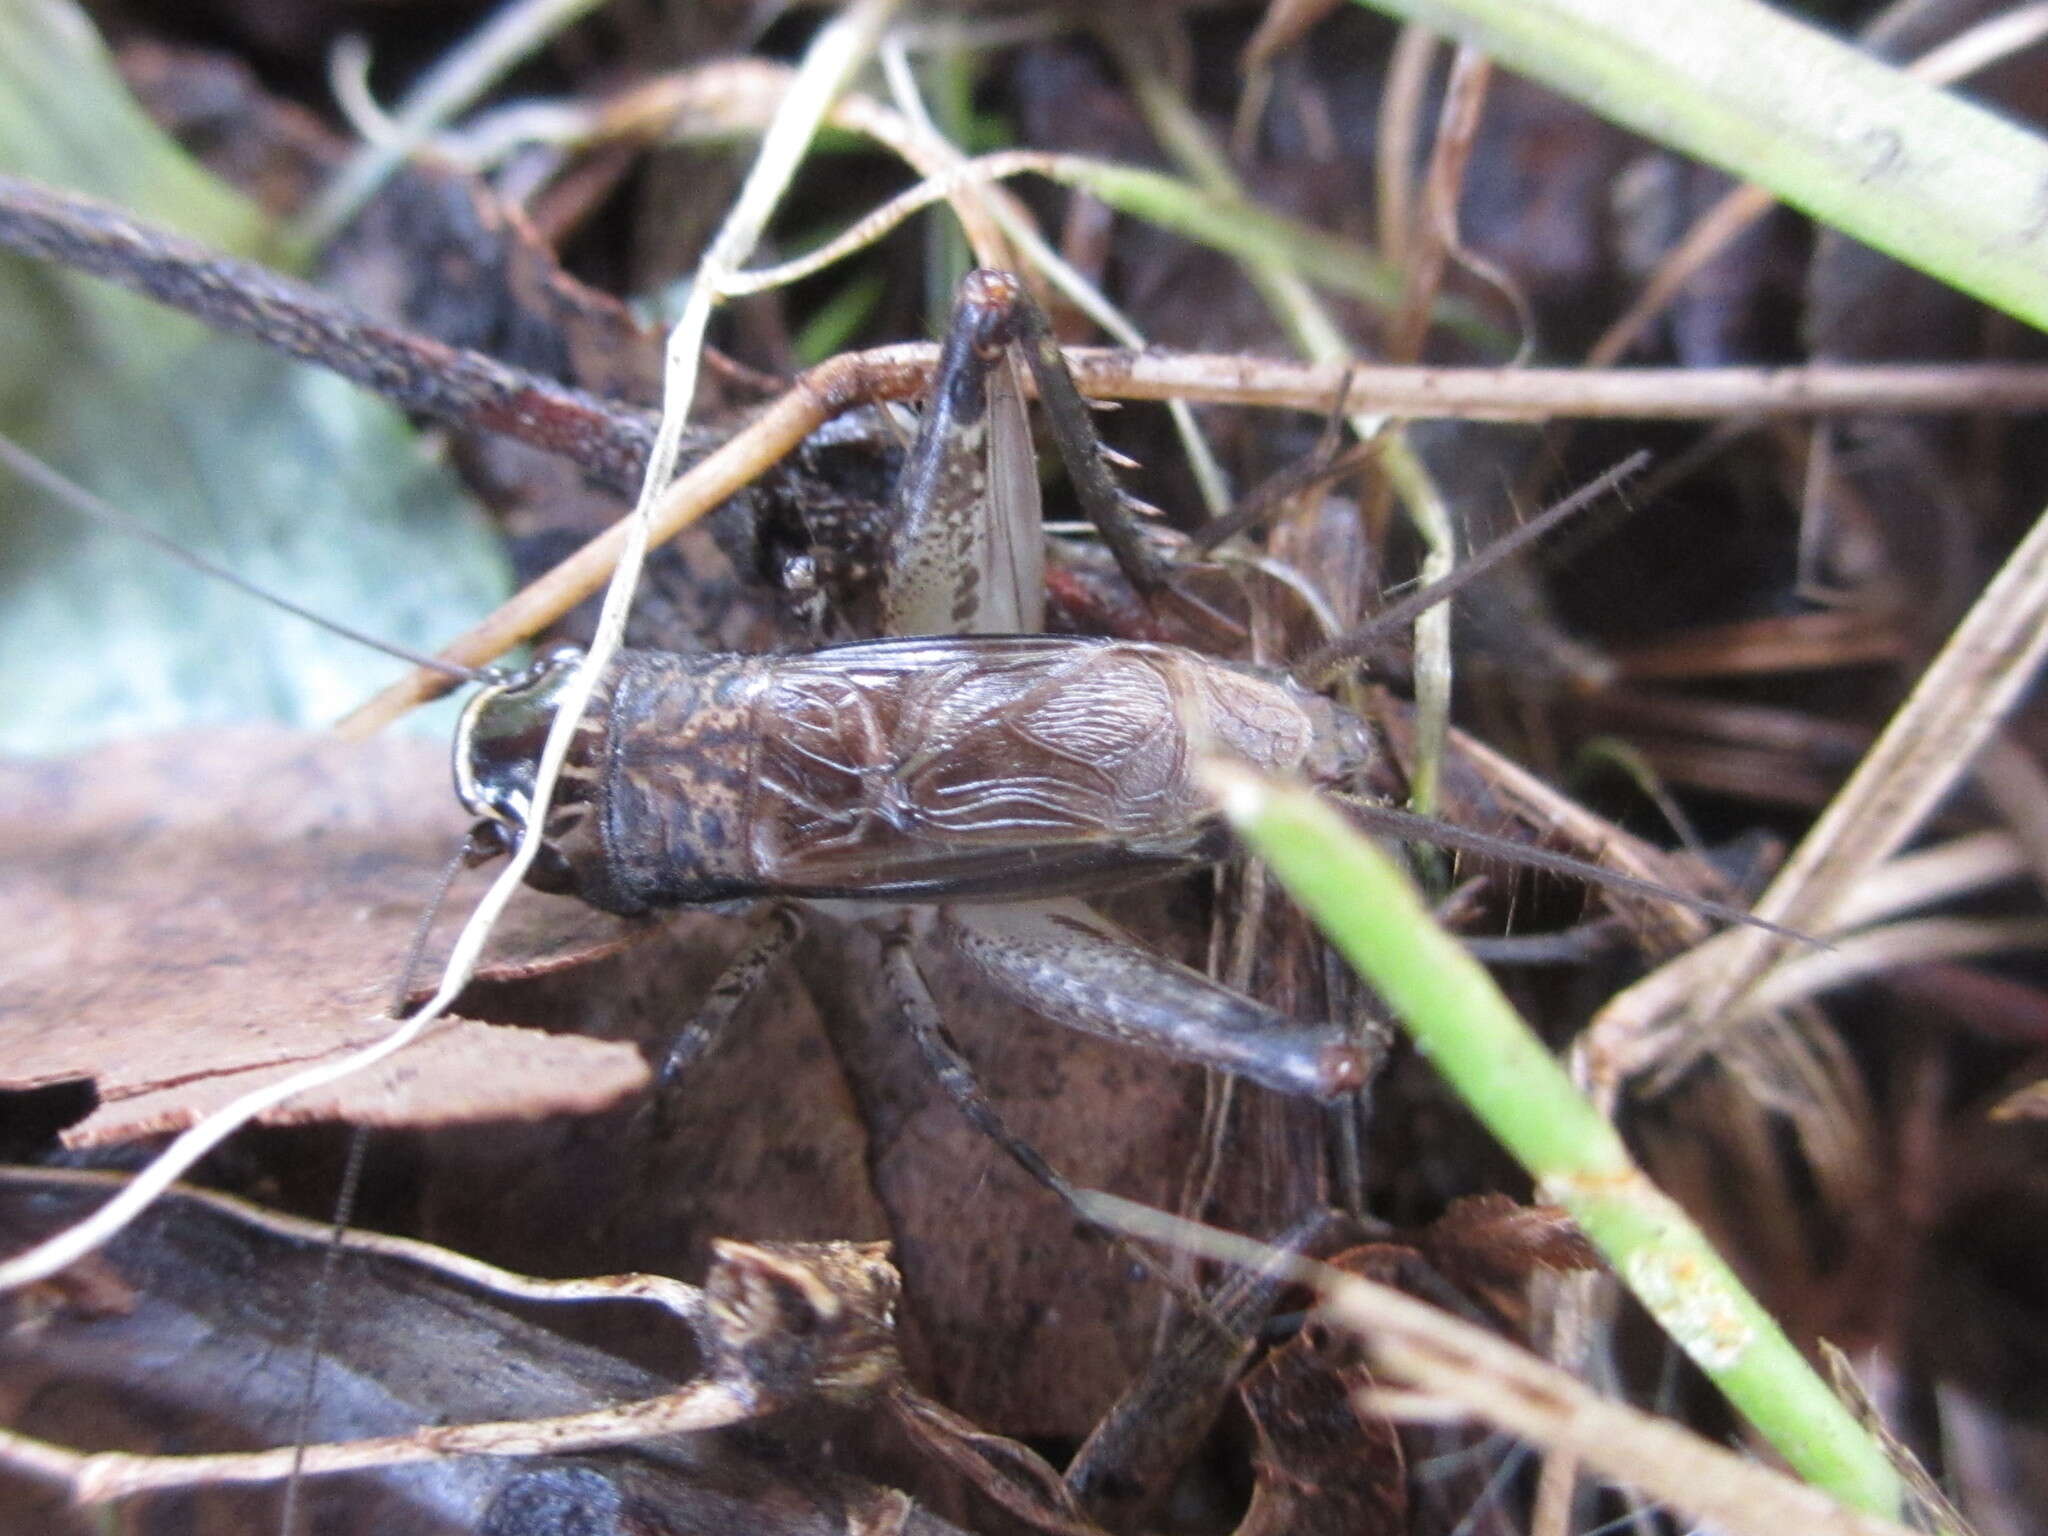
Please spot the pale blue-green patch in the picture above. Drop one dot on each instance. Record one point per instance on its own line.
(279, 470)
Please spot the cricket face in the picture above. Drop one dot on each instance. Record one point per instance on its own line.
(498, 744)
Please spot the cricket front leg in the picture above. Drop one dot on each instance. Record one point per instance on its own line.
(1075, 967)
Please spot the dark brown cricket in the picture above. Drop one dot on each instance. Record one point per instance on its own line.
(931, 769)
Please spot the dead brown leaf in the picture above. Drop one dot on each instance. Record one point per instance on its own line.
(1487, 1247)
(1322, 1466)
(197, 914)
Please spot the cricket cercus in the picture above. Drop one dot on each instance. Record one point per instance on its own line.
(975, 765)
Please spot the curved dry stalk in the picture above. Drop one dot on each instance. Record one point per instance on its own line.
(104, 1476)
(1399, 141)
(683, 1300)
(463, 75)
(744, 94)
(1432, 241)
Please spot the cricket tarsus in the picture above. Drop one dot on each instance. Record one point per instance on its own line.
(83, 502)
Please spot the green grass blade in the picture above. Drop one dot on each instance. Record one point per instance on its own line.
(1915, 171)
(1509, 1079)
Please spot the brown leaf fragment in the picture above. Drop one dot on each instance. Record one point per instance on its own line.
(195, 914)
(464, 1072)
(1321, 1465)
(1488, 1246)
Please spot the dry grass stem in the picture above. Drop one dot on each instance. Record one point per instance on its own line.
(1928, 744)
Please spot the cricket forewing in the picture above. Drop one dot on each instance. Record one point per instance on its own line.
(940, 768)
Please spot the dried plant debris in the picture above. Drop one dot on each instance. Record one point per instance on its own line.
(1324, 1462)
(202, 912)
(191, 1341)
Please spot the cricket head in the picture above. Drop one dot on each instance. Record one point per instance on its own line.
(498, 745)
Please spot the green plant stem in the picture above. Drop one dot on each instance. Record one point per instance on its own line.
(1510, 1080)
(1920, 174)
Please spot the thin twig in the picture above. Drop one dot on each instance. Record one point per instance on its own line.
(466, 389)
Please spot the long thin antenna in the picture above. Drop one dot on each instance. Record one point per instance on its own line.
(344, 1212)
(1406, 824)
(1345, 649)
(87, 505)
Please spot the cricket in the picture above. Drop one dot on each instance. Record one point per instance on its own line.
(964, 762)
(941, 1029)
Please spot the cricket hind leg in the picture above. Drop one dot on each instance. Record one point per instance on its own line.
(1071, 965)
(964, 552)
(911, 998)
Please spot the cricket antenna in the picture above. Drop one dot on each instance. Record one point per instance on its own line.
(345, 1209)
(1318, 667)
(93, 508)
